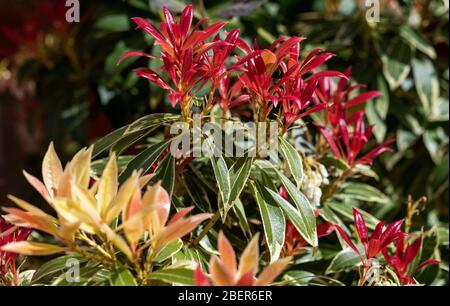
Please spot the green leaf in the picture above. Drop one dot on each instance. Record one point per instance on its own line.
(417, 41)
(166, 174)
(179, 276)
(239, 211)
(197, 192)
(127, 135)
(298, 278)
(88, 275)
(362, 192)
(151, 121)
(273, 220)
(293, 159)
(344, 260)
(108, 141)
(53, 268)
(113, 23)
(121, 276)
(427, 83)
(240, 178)
(377, 110)
(335, 162)
(303, 217)
(443, 236)
(396, 61)
(144, 160)
(222, 177)
(99, 165)
(346, 210)
(169, 250)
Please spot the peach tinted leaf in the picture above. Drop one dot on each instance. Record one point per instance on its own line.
(157, 196)
(250, 256)
(37, 184)
(179, 229)
(20, 218)
(271, 272)
(219, 273)
(227, 254)
(181, 214)
(248, 279)
(32, 248)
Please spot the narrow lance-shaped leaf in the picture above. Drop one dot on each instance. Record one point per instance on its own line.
(222, 176)
(166, 174)
(273, 220)
(240, 179)
(293, 159)
(144, 160)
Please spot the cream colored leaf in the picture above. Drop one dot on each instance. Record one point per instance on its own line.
(51, 170)
(123, 197)
(87, 206)
(81, 167)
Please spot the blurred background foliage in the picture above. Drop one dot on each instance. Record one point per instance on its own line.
(61, 81)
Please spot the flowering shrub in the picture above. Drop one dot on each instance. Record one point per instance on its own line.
(124, 216)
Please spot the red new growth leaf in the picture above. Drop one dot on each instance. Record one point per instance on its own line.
(403, 257)
(379, 239)
(10, 234)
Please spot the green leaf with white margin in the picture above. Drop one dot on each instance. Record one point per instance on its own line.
(222, 177)
(239, 211)
(377, 110)
(345, 259)
(302, 216)
(427, 83)
(346, 210)
(128, 134)
(417, 41)
(362, 192)
(396, 63)
(144, 160)
(298, 278)
(166, 174)
(179, 276)
(169, 250)
(240, 177)
(273, 220)
(293, 159)
(121, 276)
(53, 268)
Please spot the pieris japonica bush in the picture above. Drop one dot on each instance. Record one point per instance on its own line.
(148, 205)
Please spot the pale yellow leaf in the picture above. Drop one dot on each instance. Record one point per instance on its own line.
(107, 188)
(250, 257)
